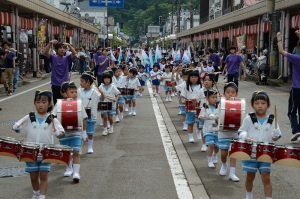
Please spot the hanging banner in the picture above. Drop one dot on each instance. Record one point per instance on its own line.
(64, 35)
(23, 48)
(240, 41)
(250, 44)
(42, 24)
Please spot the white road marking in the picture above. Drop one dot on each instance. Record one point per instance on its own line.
(16, 95)
(181, 184)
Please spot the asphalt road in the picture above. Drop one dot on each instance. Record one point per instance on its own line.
(132, 162)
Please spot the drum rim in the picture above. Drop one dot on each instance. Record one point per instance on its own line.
(58, 147)
(268, 144)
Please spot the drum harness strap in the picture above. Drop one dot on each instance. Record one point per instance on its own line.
(261, 127)
(35, 125)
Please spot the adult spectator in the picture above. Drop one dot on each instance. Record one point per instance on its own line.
(60, 66)
(9, 64)
(214, 57)
(82, 60)
(96, 61)
(233, 63)
(245, 62)
(104, 63)
(17, 69)
(294, 99)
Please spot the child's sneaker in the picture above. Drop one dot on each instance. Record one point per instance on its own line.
(203, 148)
(121, 116)
(110, 130)
(76, 177)
(172, 95)
(167, 99)
(117, 119)
(68, 172)
(105, 132)
(170, 100)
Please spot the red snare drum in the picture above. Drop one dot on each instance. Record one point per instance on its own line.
(105, 106)
(240, 150)
(129, 92)
(232, 114)
(287, 156)
(171, 83)
(29, 152)
(191, 106)
(54, 153)
(265, 152)
(122, 91)
(10, 146)
(69, 113)
(198, 109)
(88, 111)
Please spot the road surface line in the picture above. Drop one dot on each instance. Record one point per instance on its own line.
(181, 184)
(16, 95)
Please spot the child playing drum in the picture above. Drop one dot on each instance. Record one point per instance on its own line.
(230, 92)
(39, 171)
(125, 69)
(262, 130)
(166, 78)
(90, 98)
(73, 138)
(133, 86)
(110, 94)
(190, 96)
(120, 82)
(155, 80)
(209, 114)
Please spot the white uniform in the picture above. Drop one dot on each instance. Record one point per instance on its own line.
(133, 83)
(90, 98)
(168, 76)
(210, 126)
(152, 72)
(110, 91)
(119, 82)
(210, 69)
(195, 92)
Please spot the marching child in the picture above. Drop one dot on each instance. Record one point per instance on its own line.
(230, 91)
(209, 114)
(125, 70)
(109, 93)
(90, 98)
(259, 126)
(181, 85)
(73, 138)
(210, 67)
(39, 129)
(193, 93)
(120, 82)
(132, 83)
(155, 81)
(141, 75)
(166, 76)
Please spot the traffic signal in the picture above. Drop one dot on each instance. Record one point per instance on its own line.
(160, 20)
(121, 25)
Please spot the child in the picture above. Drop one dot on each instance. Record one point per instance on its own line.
(125, 70)
(109, 93)
(259, 126)
(181, 85)
(38, 126)
(167, 76)
(120, 82)
(73, 138)
(162, 64)
(141, 73)
(230, 91)
(90, 97)
(210, 67)
(132, 83)
(209, 114)
(155, 81)
(192, 92)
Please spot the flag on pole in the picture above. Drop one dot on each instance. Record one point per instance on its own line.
(112, 57)
(185, 58)
(189, 52)
(151, 58)
(178, 56)
(146, 59)
(157, 55)
(120, 58)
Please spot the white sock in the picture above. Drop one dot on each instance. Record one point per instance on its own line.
(183, 123)
(42, 196)
(111, 126)
(70, 163)
(209, 159)
(90, 143)
(105, 128)
(268, 198)
(232, 171)
(224, 164)
(76, 168)
(133, 108)
(191, 135)
(214, 154)
(130, 109)
(36, 192)
(249, 194)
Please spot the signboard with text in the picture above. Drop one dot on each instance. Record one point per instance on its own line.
(107, 3)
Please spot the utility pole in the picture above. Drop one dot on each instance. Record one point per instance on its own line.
(144, 28)
(178, 17)
(172, 17)
(191, 14)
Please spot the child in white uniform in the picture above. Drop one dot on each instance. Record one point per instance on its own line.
(155, 80)
(109, 93)
(259, 126)
(40, 131)
(132, 83)
(90, 97)
(141, 74)
(210, 115)
(192, 92)
(181, 85)
(166, 76)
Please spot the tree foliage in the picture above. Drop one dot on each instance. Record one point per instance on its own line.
(136, 11)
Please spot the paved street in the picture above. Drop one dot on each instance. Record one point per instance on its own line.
(138, 160)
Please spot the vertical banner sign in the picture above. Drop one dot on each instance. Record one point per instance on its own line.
(64, 35)
(240, 41)
(96, 40)
(42, 24)
(250, 43)
(23, 48)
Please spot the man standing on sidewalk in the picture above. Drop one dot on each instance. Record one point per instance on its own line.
(294, 99)
(214, 57)
(60, 66)
(9, 65)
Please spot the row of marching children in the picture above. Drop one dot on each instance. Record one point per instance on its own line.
(199, 103)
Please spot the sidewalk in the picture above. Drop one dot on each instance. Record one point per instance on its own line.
(278, 84)
(27, 80)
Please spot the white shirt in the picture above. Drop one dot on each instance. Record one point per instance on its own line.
(162, 66)
(196, 92)
(167, 76)
(210, 69)
(210, 126)
(133, 83)
(110, 91)
(152, 73)
(119, 82)
(90, 97)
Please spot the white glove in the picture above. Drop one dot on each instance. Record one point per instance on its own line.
(212, 116)
(275, 133)
(243, 135)
(83, 135)
(16, 126)
(56, 133)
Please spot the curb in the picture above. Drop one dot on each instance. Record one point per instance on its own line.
(22, 82)
(272, 82)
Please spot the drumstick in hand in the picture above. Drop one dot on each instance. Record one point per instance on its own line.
(52, 122)
(250, 139)
(275, 116)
